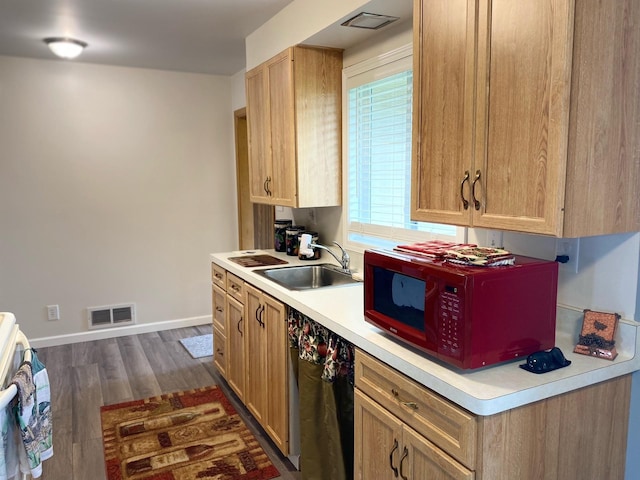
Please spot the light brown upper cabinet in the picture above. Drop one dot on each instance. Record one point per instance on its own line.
(526, 115)
(294, 127)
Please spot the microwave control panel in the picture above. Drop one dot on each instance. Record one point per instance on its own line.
(451, 321)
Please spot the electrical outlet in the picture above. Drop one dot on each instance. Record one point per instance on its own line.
(494, 238)
(53, 312)
(570, 248)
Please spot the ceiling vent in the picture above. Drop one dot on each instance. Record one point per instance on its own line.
(369, 21)
(112, 316)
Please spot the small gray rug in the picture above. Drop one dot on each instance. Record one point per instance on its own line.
(200, 346)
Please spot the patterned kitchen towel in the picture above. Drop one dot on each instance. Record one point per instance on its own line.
(33, 416)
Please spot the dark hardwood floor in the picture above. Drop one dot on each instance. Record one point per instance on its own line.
(84, 376)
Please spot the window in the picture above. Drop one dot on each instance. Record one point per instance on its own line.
(377, 170)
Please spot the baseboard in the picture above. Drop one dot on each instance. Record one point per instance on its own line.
(118, 331)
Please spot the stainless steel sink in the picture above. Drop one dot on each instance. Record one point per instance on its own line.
(305, 277)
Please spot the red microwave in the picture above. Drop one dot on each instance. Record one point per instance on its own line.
(469, 317)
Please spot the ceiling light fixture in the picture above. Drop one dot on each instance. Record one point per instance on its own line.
(371, 21)
(65, 47)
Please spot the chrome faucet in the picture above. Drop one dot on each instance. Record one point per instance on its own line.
(306, 247)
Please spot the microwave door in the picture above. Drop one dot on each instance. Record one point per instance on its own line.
(415, 301)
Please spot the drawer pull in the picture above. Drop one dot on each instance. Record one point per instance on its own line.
(395, 447)
(235, 288)
(413, 405)
(219, 309)
(220, 352)
(405, 454)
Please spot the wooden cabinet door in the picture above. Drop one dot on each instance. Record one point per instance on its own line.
(235, 341)
(377, 440)
(443, 101)
(217, 307)
(492, 129)
(277, 377)
(282, 122)
(422, 459)
(258, 135)
(256, 348)
(219, 351)
(522, 123)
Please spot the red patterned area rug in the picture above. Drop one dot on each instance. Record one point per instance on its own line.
(189, 435)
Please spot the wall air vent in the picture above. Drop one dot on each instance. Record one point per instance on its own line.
(112, 316)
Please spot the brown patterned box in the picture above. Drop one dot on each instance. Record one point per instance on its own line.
(598, 331)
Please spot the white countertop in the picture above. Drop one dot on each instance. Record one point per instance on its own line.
(484, 391)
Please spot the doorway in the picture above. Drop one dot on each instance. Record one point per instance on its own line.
(255, 221)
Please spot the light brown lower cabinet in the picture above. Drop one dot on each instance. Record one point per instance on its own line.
(235, 346)
(267, 379)
(219, 351)
(404, 430)
(251, 351)
(387, 448)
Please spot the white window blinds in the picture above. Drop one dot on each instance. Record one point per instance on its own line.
(378, 172)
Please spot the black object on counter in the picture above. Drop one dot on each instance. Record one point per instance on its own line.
(545, 361)
(291, 239)
(280, 231)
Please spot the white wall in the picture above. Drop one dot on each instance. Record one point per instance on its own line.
(114, 187)
(238, 91)
(294, 24)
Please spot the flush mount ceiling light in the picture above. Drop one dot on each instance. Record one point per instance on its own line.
(65, 47)
(371, 21)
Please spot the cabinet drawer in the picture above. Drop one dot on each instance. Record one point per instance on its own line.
(217, 307)
(219, 352)
(218, 276)
(450, 427)
(235, 287)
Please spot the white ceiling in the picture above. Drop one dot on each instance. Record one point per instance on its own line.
(200, 36)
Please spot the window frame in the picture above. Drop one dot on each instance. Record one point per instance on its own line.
(376, 236)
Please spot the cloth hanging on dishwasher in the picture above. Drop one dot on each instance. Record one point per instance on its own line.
(9, 456)
(323, 364)
(33, 415)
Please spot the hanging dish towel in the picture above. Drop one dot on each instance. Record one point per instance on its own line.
(9, 456)
(33, 414)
